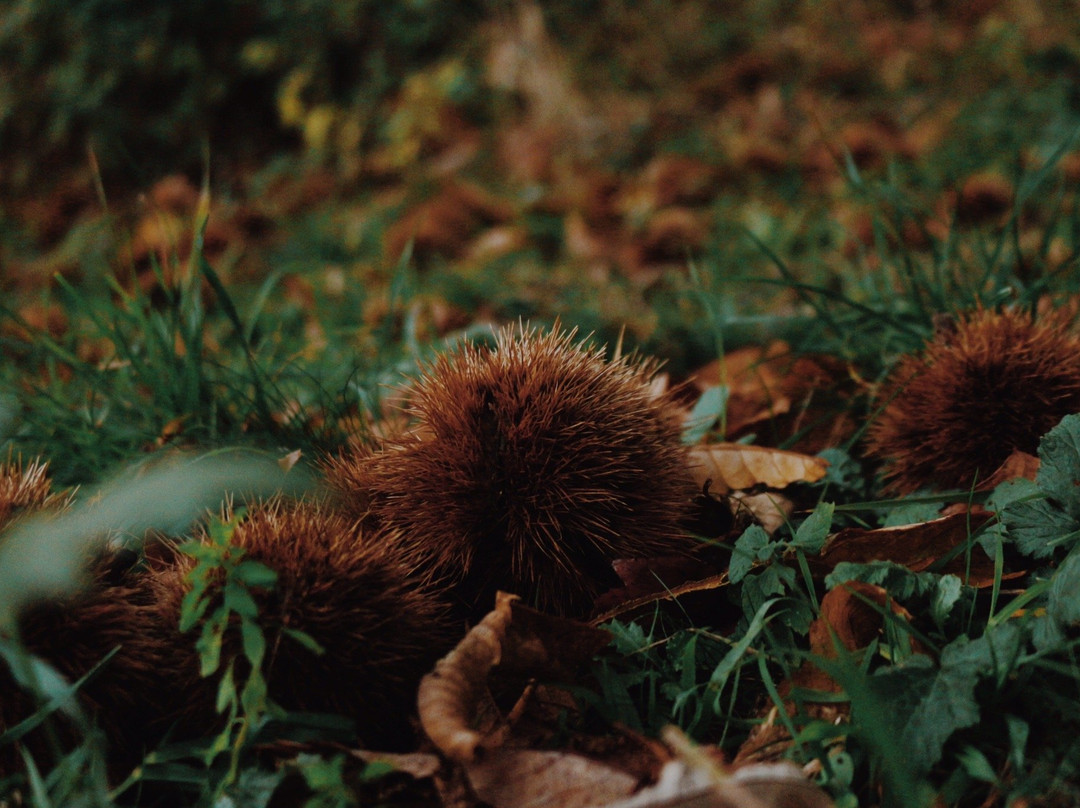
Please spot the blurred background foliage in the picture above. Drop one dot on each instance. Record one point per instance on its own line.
(149, 84)
(368, 180)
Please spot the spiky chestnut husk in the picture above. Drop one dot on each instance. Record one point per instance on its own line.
(127, 697)
(987, 384)
(534, 465)
(349, 589)
(24, 488)
(76, 632)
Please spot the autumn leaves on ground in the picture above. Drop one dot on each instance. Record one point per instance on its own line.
(577, 404)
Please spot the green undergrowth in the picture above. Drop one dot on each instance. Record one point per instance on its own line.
(970, 692)
(965, 693)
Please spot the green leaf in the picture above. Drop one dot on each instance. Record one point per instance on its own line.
(911, 513)
(710, 408)
(1010, 492)
(254, 788)
(896, 579)
(814, 530)
(948, 592)
(255, 573)
(226, 693)
(209, 643)
(237, 599)
(950, 704)
(253, 696)
(1019, 730)
(775, 579)
(976, 765)
(732, 658)
(1038, 526)
(304, 639)
(747, 550)
(1063, 602)
(1059, 471)
(254, 642)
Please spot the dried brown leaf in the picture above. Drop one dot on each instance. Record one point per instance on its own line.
(914, 546)
(520, 641)
(526, 778)
(1017, 464)
(734, 467)
(689, 784)
(848, 618)
(770, 510)
(448, 695)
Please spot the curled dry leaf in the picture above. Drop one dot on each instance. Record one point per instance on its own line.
(448, 695)
(736, 467)
(521, 642)
(851, 615)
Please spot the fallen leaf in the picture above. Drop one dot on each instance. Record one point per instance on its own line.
(770, 510)
(694, 780)
(851, 618)
(416, 764)
(780, 395)
(447, 223)
(448, 696)
(735, 467)
(1017, 464)
(528, 778)
(690, 584)
(521, 642)
(916, 546)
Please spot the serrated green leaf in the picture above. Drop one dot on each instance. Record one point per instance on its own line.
(946, 595)
(1059, 470)
(950, 704)
(1063, 599)
(1038, 527)
(812, 533)
(747, 549)
(896, 579)
(1012, 491)
(775, 579)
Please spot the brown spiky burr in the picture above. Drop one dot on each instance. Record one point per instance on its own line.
(24, 487)
(534, 464)
(351, 590)
(125, 697)
(76, 633)
(987, 384)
